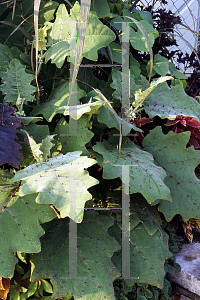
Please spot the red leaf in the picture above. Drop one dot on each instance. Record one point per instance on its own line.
(192, 122)
(177, 130)
(172, 122)
(139, 138)
(195, 133)
(176, 297)
(141, 121)
(179, 119)
(193, 142)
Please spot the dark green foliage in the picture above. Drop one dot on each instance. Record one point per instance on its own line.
(88, 157)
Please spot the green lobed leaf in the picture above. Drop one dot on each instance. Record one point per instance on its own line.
(137, 37)
(179, 162)
(61, 179)
(16, 82)
(169, 102)
(95, 271)
(144, 176)
(58, 37)
(141, 96)
(20, 221)
(97, 36)
(147, 255)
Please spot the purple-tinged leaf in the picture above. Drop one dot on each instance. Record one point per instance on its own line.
(9, 148)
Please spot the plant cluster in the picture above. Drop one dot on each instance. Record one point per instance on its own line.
(75, 152)
(145, 291)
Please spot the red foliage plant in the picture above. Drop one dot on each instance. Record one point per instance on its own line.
(181, 124)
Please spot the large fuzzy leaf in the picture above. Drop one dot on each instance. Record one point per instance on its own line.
(60, 179)
(144, 176)
(95, 247)
(179, 162)
(169, 102)
(97, 35)
(78, 140)
(20, 220)
(148, 245)
(9, 148)
(16, 83)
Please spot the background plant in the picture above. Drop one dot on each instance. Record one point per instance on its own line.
(44, 164)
